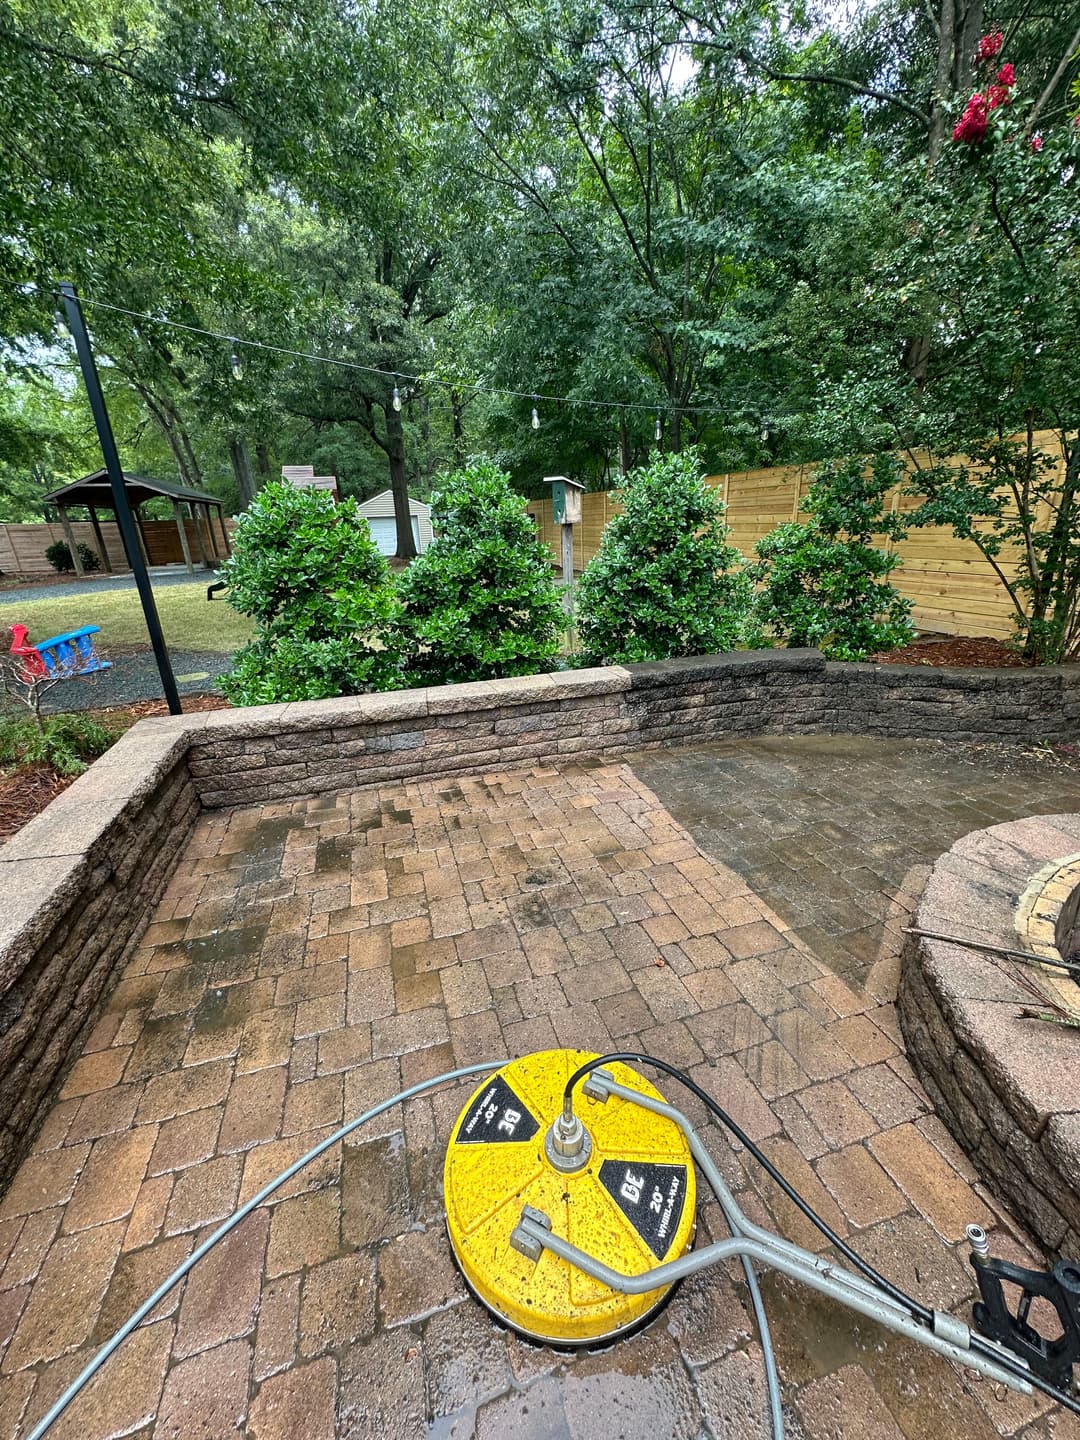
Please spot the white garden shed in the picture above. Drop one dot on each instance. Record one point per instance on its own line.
(379, 513)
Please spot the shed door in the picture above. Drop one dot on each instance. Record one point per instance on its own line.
(384, 533)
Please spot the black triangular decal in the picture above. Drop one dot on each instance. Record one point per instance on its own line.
(497, 1115)
(650, 1196)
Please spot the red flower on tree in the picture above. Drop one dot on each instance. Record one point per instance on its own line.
(990, 45)
(1036, 143)
(971, 127)
(1007, 75)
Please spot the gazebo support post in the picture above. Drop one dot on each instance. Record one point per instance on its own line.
(69, 536)
(103, 554)
(210, 532)
(142, 535)
(198, 535)
(179, 518)
(224, 531)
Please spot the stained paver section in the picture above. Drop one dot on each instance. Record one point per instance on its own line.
(838, 833)
(310, 959)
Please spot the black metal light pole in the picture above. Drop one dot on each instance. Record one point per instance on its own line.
(124, 518)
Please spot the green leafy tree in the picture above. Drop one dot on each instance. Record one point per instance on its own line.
(959, 344)
(823, 581)
(665, 581)
(480, 602)
(309, 574)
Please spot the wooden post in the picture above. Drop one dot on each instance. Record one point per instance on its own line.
(142, 535)
(198, 535)
(568, 567)
(179, 518)
(210, 531)
(103, 554)
(69, 535)
(224, 531)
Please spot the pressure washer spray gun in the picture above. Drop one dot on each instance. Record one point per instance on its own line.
(1054, 1359)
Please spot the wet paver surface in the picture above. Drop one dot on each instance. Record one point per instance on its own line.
(310, 959)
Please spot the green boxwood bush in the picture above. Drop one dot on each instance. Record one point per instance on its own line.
(58, 555)
(309, 574)
(665, 582)
(480, 602)
(823, 580)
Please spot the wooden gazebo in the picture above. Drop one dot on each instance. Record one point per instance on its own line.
(95, 493)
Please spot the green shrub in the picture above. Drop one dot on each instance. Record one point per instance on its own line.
(664, 582)
(823, 581)
(480, 602)
(309, 574)
(59, 557)
(66, 742)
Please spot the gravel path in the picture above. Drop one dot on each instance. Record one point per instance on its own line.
(134, 676)
(65, 589)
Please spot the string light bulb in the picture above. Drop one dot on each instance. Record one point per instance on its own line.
(395, 399)
(535, 422)
(659, 430)
(236, 365)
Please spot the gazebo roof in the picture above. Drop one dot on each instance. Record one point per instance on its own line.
(95, 490)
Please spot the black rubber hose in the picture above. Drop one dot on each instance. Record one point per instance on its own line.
(917, 1310)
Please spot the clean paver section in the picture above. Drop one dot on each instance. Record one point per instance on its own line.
(311, 958)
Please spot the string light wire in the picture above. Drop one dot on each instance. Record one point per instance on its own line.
(237, 341)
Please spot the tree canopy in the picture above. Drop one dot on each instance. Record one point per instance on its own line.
(757, 230)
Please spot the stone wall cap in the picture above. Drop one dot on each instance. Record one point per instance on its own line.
(590, 680)
(73, 823)
(36, 894)
(655, 672)
(173, 724)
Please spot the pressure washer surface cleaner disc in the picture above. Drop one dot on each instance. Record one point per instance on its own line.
(630, 1204)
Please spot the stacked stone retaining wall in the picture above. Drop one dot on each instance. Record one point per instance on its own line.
(79, 884)
(1002, 1082)
(81, 881)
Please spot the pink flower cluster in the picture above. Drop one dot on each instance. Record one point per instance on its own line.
(970, 129)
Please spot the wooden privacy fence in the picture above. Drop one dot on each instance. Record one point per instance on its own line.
(954, 589)
(22, 547)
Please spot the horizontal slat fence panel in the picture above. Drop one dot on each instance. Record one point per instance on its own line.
(22, 547)
(954, 589)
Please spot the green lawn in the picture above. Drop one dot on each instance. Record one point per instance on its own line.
(190, 622)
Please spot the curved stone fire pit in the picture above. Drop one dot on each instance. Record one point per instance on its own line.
(1007, 1085)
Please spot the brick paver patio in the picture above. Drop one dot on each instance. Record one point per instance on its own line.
(311, 958)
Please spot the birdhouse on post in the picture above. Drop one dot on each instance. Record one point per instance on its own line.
(566, 512)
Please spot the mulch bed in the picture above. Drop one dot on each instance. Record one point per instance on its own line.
(959, 650)
(31, 582)
(26, 791)
(122, 717)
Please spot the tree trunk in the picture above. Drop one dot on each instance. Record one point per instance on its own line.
(399, 484)
(262, 459)
(675, 431)
(624, 445)
(942, 79)
(241, 463)
(969, 30)
(457, 410)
